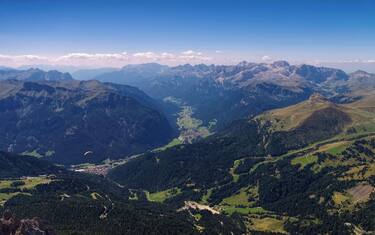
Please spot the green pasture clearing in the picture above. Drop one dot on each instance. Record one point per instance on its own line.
(304, 160)
(268, 224)
(163, 195)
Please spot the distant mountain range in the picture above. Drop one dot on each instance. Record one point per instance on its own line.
(87, 74)
(34, 75)
(241, 90)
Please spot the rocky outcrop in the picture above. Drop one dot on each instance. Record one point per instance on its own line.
(10, 225)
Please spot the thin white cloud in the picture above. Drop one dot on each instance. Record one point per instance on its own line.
(191, 55)
(188, 56)
(166, 55)
(146, 55)
(97, 56)
(92, 59)
(191, 52)
(17, 60)
(21, 57)
(266, 58)
(106, 59)
(348, 65)
(360, 61)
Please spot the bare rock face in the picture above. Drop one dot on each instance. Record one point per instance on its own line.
(10, 225)
(318, 98)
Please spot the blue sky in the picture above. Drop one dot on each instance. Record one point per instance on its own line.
(220, 31)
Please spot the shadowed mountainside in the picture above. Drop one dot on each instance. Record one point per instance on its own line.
(73, 122)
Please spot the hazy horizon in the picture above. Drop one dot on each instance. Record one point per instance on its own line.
(347, 67)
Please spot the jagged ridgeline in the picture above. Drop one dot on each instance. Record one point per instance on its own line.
(305, 168)
(34, 75)
(229, 92)
(72, 122)
(47, 114)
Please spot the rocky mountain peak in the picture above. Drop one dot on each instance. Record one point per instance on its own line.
(318, 98)
(243, 64)
(280, 63)
(35, 74)
(361, 73)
